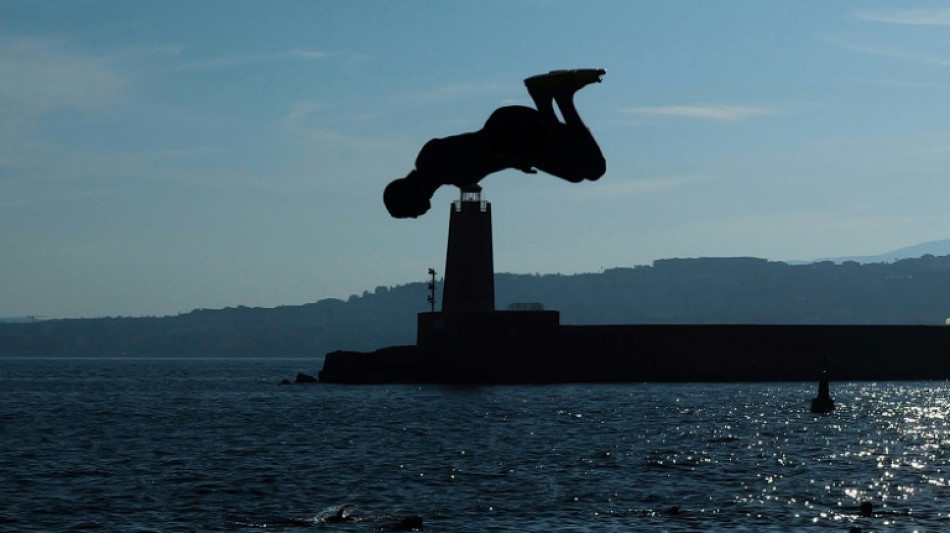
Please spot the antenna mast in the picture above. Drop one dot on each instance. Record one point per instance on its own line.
(431, 297)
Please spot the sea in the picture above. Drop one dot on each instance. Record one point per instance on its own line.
(218, 444)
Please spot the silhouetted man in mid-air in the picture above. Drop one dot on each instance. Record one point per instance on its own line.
(513, 137)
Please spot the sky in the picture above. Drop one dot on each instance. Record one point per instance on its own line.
(162, 156)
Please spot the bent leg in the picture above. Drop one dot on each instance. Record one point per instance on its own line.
(544, 88)
(571, 152)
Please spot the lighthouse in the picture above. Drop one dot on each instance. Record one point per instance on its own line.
(469, 341)
(469, 286)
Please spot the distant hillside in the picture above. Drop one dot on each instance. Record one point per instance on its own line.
(936, 248)
(17, 319)
(671, 291)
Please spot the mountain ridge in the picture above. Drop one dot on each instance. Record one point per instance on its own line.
(937, 248)
(739, 290)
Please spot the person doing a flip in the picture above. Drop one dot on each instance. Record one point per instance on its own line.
(517, 137)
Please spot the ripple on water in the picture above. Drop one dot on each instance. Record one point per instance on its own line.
(171, 445)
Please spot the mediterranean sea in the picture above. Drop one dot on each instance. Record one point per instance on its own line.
(176, 445)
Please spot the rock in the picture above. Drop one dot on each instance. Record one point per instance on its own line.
(304, 378)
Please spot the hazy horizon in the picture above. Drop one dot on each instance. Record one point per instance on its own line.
(934, 248)
(162, 157)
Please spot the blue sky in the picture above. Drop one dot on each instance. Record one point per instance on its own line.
(162, 156)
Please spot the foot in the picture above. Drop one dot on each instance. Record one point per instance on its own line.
(560, 80)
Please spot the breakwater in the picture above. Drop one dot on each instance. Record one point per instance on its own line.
(525, 347)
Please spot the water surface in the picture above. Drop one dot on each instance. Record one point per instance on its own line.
(218, 445)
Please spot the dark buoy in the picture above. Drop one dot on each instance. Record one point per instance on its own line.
(823, 403)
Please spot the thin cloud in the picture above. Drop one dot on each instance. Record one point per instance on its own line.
(225, 62)
(299, 121)
(44, 74)
(637, 187)
(908, 17)
(299, 111)
(896, 53)
(720, 113)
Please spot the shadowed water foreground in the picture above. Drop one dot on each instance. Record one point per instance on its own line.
(217, 445)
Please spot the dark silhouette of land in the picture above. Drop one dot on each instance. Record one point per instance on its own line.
(672, 291)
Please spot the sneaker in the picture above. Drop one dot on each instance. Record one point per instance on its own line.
(557, 79)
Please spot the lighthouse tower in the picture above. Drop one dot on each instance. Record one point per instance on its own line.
(468, 340)
(469, 285)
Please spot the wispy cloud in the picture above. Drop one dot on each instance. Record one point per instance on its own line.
(43, 74)
(620, 189)
(721, 113)
(908, 17)
(896, 53)
(304, 120)
(297, 112)
(240, 60)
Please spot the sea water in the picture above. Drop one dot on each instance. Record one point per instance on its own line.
(219, 445)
